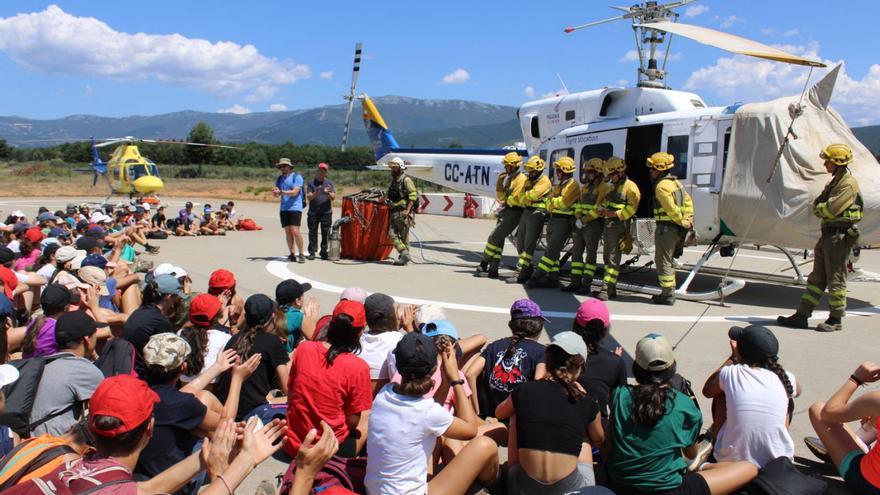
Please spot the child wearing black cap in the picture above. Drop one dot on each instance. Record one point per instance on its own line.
(404, 427)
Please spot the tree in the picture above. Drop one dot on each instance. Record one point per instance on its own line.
(5, 150)
(200, 133)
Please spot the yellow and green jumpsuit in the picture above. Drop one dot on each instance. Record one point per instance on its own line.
(531, 223)
(586, 238)
(402, 195)
(560, 207)
(623, 199)
(674, 216)
(508, 190)
(840, 207)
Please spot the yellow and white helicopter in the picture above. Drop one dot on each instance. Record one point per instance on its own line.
(751, 169)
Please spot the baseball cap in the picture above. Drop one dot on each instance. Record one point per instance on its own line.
(353, 310)
(86, 243)
(50, 249)
(73, 326)
(146, 206)
(6, 308)
(125, 398)
(6, 255)
(34, 234)
(188, 204)
(289, 291)
(47, 217)
(163, 269)
(54, 298)
(66, 253)
(203, 308)
(570, 343)
(754, 342)
(166, 350)
(18, 214)
(178, 272)
(323, 166)
(258, 309)
(94, 275)
(221, 280)
(96, 231)
(132, 208)
(526, 308)
(76, 263)
(58, 232)
(429, 312)
(592, 309)
(167, 284)
(20, 228)
(439, 327)
(49, 241)
(82, 225)
(653, 353)
(378, 305)
(95, 259)
(353, 294)
(415, 354)
(8, 374)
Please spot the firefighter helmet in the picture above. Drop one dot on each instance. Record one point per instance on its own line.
(594, 165)
(511, 159)
(838, 154)
(661, 161)
(565, 165)
(614, 164)
(535, 164)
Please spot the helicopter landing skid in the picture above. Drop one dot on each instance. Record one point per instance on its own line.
(798, 278)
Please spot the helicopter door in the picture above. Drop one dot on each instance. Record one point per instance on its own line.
(704, 177)
(642, 142)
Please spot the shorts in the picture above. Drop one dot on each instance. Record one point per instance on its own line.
(291, 218)
(520, 483)
(850, 470)
(691, 484)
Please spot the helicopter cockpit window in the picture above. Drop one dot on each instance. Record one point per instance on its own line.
(153, 169)
(569, 115)
(556, 155)
(137, 171)
(536, 131)
(698, 104)
(677, 146)
(601, 150)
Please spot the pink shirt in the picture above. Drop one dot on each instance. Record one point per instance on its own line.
(26, 262)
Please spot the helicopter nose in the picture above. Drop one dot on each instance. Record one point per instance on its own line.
(148, 184)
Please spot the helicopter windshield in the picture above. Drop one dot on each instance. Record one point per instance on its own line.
(139, 170)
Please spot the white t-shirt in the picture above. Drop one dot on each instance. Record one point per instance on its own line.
(402, 433)
(216, 343)
(46, 271)
(375, 348)
(757, 404)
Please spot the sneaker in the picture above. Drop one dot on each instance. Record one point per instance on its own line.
(152, 249)
(817, 448)
(704, 450)
(291, 257)
(796, 320)
(300, 259)
(402, 260)
(311, 256)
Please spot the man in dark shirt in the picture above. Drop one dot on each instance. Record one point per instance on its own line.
(320, 194)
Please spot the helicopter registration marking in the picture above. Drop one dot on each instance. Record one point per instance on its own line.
(468, 174)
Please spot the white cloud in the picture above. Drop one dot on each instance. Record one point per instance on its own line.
(236, 109)
(529, 91)
(791, 32)
(621, 82)
(729, 21)
(57, 43)
(558, 92)
(457, 76)
(277, 107)
(630, 56)
(741, 78)
(327, 74)
(695, 10)
(775, 32)
(768, 31)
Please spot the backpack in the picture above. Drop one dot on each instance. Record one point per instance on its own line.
(32, 458)
(117, 358)
(158, 234)
(248, 224)
(781, 477)
(21, 393)
(339, 474)
(57, 485)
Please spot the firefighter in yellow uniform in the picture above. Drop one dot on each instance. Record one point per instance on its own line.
(560, 208)
(674, 216)
(620, 205)
(588, 227)
(508, 190)
(840, 207)
(531, 224)
(401, 197)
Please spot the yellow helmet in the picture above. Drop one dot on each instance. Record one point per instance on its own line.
(564, 164)
(614, 164)
(661, 161)
(535, 163)
(838, 154)
(512, 159)
(594, 165)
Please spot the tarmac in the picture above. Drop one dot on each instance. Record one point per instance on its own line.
(445, 251)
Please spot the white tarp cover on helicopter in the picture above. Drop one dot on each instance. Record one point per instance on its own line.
(784, 216)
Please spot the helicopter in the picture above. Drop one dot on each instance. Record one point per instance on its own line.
(751, 169)
(129, 172)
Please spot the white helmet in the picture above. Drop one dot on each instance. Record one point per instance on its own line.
(397, 162)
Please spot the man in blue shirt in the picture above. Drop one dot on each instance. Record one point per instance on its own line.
(320, 192)
(289, 187)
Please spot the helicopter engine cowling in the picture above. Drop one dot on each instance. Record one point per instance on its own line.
(148, 184)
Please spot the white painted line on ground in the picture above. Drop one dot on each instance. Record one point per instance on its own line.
(281, 270)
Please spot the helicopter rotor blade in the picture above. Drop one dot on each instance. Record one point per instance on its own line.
(596, 23)
(109, 143)
(355, 72)
(206, 145)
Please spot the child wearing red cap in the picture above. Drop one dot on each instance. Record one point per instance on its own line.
(205, 340)
(329, 382)
(222, 285)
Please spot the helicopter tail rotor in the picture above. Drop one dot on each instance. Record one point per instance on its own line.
(355, 72)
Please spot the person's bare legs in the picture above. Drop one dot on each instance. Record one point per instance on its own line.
(727, 477)
(131, 299)
(288, 232)
(837, 437)
(496, 431)
(298, 239)
(362, 426)
(478, 461)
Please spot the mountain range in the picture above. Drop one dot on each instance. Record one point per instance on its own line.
(414, 122)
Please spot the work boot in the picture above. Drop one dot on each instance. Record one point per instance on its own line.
(535, 281)
(610, 292)
(151, 249)
(830, 325)
(573, 286)
(586, 287)
(664, 299)
(493, 269)
(548, 283)
(524, 274)
(796, 320)
(311, 256)
(402, 260)
(484, 267)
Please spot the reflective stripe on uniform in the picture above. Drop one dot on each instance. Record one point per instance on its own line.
(666, 281)
(577, 268)
(525, 259)
(610, 275)
(837, 299)
(547, 265)
(589, 269)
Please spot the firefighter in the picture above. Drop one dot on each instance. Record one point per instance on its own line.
(840, 207)
(620, 205)
(560, 208)
(531, 224)
(587, 228)
(674, 216)
(508, 189)
(401, 198)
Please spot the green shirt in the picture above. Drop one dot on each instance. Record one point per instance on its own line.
(294, 317)
(650, 458)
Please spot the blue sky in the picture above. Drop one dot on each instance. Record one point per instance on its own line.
(63, 57)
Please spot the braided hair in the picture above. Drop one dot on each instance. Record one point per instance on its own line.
(523, 328)
(772, 364)
(651, 395)
(564, 368)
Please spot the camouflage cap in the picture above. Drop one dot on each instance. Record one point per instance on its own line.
(166, 350)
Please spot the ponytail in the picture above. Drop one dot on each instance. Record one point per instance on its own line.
(651, 395)
(592, 333)
(564, 369)
(522, 328)
(773, 365)
(342, 336)
(197, 337)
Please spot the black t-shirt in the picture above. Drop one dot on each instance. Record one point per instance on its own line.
(604, 372)
(158, 220)
(547, 420)
(177, 415)
(143, 323)
(501, 375)
(264, 379)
